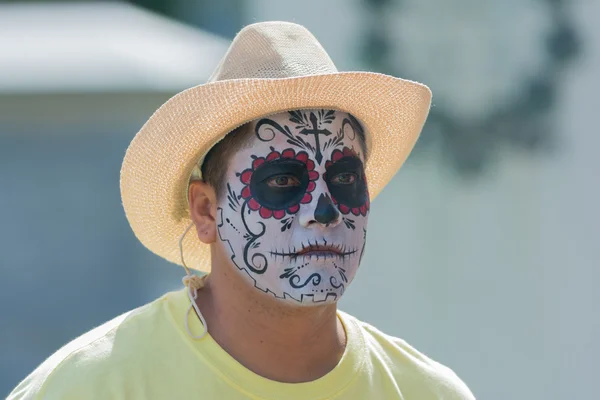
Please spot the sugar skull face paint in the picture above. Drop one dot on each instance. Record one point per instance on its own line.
(295, 215)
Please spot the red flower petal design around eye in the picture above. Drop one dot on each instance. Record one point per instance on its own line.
(311, 186)
(363, 209)
(246, 176)
(336, 155)
(306, 199)
(265, 212)
(253, 204)
(310, 165)
(355, 211)
(334, 200)
(349, 152)
(293, 209)
(288, 153)
(328, 164)
(246, 193)
(279, 214)
(344, 209)
(258, 162)
(313, 175)
(273, 156)
(302, 156)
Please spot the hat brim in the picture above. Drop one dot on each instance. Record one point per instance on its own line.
(160, 158)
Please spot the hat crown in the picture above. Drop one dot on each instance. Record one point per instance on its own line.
(269, 50)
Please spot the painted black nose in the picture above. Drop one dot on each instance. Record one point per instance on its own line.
(326, 213)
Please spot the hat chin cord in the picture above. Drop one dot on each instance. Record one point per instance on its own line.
(193, 283)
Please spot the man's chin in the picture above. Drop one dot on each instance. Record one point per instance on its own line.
(310, 300)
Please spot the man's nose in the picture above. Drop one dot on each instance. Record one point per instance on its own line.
(320, 211)
(326, 213)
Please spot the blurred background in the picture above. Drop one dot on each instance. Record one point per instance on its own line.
(482, 252)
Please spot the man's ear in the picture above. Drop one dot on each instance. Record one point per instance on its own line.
(203, 210)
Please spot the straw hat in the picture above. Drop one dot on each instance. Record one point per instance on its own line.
(270, 67)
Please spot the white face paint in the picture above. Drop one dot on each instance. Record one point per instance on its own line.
(295, 213)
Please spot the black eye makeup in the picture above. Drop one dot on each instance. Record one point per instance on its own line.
(279, 184)
(346, 183)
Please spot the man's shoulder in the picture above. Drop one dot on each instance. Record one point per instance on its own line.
(92, 357)
(410, 365)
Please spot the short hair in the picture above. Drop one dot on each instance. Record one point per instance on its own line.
(215, 163)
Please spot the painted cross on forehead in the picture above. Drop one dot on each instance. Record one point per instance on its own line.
(281, 221)
(316, 131)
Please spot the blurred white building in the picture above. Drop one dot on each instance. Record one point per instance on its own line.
(76, 83)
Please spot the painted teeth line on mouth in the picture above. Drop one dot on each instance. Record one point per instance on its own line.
(318, 247)
(331, 251)
(317, 255)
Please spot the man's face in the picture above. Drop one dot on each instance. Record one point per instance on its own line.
(294, 215)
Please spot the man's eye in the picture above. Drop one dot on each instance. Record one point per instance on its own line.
(283, 181)
(344, 178)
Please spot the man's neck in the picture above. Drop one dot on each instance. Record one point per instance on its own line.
(274, 340)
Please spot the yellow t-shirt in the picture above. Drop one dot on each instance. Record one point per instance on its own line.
(148, 354)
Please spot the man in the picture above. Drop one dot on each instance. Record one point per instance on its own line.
(273, 163)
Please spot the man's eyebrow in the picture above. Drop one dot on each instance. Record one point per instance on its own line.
(283, 161)
(347, 159)
(279, 166)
